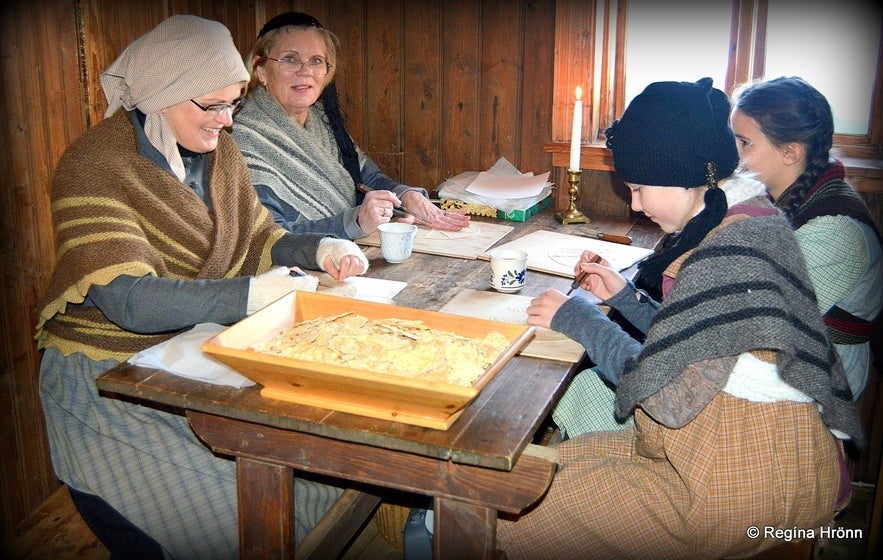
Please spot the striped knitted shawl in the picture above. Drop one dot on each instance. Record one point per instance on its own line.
(298, 163)
(744, 288)
(117, 213)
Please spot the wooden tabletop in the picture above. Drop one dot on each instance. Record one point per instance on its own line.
(491, 432)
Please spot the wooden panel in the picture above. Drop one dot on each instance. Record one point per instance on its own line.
(501, 57)
(538, 45)
(347, 22)
(42, 114)
(383, 98)
(108, 27)
(422, 88)
(574, 63)
(460, 78)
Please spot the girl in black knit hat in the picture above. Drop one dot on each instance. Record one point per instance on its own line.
(303, 163)
(739, 400)
(674, 134)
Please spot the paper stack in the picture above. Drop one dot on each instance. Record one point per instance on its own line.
(502, 192)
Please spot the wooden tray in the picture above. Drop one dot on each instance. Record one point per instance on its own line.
(374, 394)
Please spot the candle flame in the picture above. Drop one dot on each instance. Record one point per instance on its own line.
(579, 92)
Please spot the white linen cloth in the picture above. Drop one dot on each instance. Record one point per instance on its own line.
(182, 355)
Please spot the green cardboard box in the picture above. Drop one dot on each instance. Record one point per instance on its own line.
(523, 215)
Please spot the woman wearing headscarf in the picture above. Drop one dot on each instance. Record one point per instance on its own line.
(158, 229)
(304, 164)
(739, 400)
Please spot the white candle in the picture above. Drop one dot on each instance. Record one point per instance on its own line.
(577, 131)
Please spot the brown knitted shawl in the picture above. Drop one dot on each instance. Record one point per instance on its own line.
(117, 213)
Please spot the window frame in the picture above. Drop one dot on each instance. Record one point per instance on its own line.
(590, 35)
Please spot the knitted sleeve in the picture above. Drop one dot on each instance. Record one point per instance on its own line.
(606, 344)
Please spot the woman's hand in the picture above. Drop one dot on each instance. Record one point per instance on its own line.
(603, 281)
(436, 218)
(341, 258)
(376, 209)
(348, 265)
(543, 308)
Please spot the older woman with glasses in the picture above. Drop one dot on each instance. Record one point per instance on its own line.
(158, 229)
(305, 166)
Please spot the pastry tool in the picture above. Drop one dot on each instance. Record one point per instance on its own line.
(397, 210)
(579, 279)
(611, 237)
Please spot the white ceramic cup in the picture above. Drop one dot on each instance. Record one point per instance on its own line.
(396, 241)
(508, 269)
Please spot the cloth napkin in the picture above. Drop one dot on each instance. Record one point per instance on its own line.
(182, 355)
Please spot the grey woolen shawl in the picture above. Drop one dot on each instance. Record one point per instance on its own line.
(744, 288)
(298, 163)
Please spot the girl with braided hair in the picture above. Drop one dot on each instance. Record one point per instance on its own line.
(784, 130)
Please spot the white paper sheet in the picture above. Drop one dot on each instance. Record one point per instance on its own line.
(558, 253)
(359, 287)
(502, 186)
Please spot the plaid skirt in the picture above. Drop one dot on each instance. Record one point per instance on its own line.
(694, 492)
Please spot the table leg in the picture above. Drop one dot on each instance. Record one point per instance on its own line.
(266, 509)
(463, 531)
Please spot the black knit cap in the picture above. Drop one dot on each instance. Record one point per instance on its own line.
(675, 134)
(298, 19)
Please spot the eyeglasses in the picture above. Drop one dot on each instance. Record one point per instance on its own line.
(217, 109)
(315, 66)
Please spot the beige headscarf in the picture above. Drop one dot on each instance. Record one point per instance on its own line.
(181, 58)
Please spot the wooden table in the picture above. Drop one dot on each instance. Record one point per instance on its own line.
(473, 470)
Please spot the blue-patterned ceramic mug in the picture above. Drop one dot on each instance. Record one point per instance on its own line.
(508, 269)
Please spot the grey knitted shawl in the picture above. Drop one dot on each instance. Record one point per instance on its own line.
(744, 288)
(298, 163)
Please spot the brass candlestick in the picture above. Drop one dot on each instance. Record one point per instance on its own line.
(573, 215)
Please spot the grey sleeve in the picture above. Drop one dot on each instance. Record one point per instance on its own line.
(636, 306)
(151, 305)
(606, 344)
(298, 250)
(148, 304)
(287, 216)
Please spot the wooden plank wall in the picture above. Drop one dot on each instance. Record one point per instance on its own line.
(431, 88)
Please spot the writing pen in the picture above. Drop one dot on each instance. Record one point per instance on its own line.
(579, 279)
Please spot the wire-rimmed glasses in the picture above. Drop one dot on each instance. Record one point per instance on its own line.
(317, 66)
(217, 109)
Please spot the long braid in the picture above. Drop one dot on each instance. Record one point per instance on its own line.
(795, 195)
